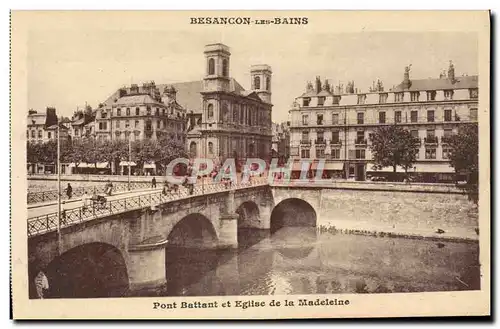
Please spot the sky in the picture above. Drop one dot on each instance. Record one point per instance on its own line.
(69, 66)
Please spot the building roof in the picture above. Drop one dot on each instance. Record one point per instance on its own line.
(464, 82)
(135, 99)
(38, 118)
(78, 122)
(188, 94)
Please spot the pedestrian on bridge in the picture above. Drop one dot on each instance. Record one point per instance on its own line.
(69, 191)
(153, 183)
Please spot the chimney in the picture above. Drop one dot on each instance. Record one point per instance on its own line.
(318, 84)
(51, 117)
(309, 87)
(406, 79)
(451, 72)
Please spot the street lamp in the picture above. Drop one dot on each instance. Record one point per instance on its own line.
(59, 239)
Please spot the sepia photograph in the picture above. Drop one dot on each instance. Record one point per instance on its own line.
(294, 164)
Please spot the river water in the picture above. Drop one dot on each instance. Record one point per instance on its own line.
(302, 260)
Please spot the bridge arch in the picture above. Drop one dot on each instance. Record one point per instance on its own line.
(293, 212)
(191, 253)
(249, 214)
(194, 230)
(87, 271)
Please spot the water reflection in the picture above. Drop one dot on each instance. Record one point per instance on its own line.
(300, 260)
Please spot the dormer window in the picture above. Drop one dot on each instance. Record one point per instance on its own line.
(321, 100)
(306, 101)
(414, 95)
(473, 93)
(399, 97)
(104, 115)
(382, 98)
(431, 95)
(448, 94)
(118, 112)
(361, 99)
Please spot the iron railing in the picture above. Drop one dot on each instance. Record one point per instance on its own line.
(51, 195)
(46, 223)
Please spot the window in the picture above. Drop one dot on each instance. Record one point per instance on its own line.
(320, 137)
(148, 110)
(39, 134)
(335, 118)
(127, 124)
(157, 112)
(397, 116)
(446, 152)
(137, 124)
(381, 117)
(211, 66)
(163, 112)
(321, 100)
(447, 115)
(414, 116)
(118, 112)
(225, 68)
(127, 111)
(430, 153)
(473, 114)
(448, 94)
(137, 111)
(305, 136)
(335, 137)
(448, 132)
(335, 153)
(414, 133)
(320, 152)
(360, 154)
(360, 137)
(49, 134)
(256, 82)
(268, 83)
(399, 97)
(210, 111)
(305, 119)
(414, 95)
(473, 93)
(361, 118)
(158, 124)
(103, 126)
(104, 115)
(304, 154)
(210, 148)
(430, 116)
(235, 114)
(76, 132)
(382, 98)
(319, 119)
(32, 134)
(117, 124)
(306, 101)
(431, 133)
(361, 99)
(431, 95)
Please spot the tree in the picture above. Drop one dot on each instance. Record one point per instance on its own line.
(393, 146)
(114, 151)
(464, 157)
(145, 151)
(169, 149)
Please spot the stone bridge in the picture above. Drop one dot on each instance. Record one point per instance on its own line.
(132, 246)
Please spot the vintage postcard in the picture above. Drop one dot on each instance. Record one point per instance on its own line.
(250, 164)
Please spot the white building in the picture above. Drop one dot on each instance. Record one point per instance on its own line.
(335, 124)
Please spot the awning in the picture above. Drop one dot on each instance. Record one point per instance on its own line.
(126, 163)
(434, 168)
(100, 165)
(399, 169)
(301, 165)
(149, 166)
(334, 166)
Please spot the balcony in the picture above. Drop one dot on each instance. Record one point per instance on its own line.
(431, 140)
(446, 139)
(305, 142)
(336, 142)
(320, 141)
(360, 141)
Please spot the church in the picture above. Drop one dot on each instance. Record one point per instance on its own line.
(231, 121)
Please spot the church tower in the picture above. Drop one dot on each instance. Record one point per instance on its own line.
(217, 68)
(261, 81)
